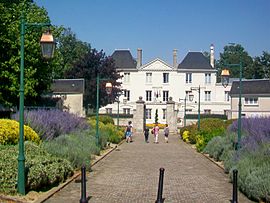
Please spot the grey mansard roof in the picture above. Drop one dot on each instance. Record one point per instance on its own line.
(123, 59)
(195, 60)
(73, 86)
(251, 87)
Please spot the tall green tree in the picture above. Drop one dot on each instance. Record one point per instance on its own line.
(37, 70)
(69, 51)
(233, 54)
(261, 67)
(87, 67)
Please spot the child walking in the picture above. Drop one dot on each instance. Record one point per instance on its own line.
(166, 133)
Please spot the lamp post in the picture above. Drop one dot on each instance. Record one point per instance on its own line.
(47, 47)
(108, 91)
(118, 101)
(198, 89)
(225, 74)
(185, 102)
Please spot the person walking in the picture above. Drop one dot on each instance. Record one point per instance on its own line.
(128, 132)
(146, 134)
(166, 133)
(156, 131)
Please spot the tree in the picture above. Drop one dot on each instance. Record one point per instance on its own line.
(69, 51)
(88, 67)
(37, 70)
(156, 116)
(261, 66)
(233, 54)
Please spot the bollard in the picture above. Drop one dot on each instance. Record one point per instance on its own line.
(83, 186)
(160, 186)
(234, 197)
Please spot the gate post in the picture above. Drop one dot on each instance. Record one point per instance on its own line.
(171, 115)
(139, 116)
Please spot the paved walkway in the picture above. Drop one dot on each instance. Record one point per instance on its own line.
(131, 173)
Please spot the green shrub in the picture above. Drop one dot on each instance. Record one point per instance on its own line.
(104, 119)
(9, 132)
(254, 169)
(108, 132)
(192, 129)
(76, 147)
(215, 147)
(44, 170)
(114, 135)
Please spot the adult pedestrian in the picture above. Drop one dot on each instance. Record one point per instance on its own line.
(156, 131)
(146, 134)
(128, 132)
(166, 133)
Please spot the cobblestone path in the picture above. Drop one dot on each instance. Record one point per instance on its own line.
(131, 173)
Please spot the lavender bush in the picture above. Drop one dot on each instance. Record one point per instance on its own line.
(256, 131)
(252, 160)
(50, 124)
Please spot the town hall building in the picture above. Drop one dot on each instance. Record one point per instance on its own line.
(191, 85)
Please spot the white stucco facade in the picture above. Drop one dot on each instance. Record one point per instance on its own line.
(156, 81)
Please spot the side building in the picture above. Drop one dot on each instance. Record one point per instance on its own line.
(255, 98)
(157, 81)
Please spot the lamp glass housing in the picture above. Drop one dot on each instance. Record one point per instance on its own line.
(108, 88)
(225, 75)
(47, 45)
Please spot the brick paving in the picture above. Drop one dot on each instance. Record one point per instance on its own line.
(131, 173)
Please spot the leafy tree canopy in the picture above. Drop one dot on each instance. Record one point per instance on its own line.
(87, 67)
(261, 66)
(69, 51)
(233, 54)
(37, 71)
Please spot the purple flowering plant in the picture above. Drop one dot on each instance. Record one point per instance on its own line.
(50, 124)
(256, 131)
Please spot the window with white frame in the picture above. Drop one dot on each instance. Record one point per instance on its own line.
(188, 77)
(207, 96)
(207, 111)
(108, 110)
(251, 101)
(127, 94)
(126, 77)
(227, 96)
(188, 95)
(148, 113)
(207, 78)
(165, 77)
(148, 95)
(164, 113)
(165, 95)
(148, 77)
(126, 111)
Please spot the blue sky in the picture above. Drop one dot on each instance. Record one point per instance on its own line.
(159, 26)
